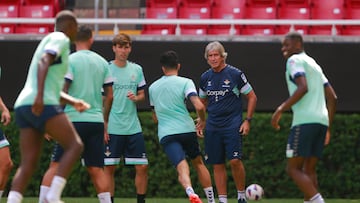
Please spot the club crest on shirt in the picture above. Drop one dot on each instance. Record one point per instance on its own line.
(226, 83)
(209, 83)
(133, 78)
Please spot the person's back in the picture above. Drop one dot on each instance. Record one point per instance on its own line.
(88, 73)
(168, 95)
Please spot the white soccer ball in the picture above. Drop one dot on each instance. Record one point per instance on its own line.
(254, 192)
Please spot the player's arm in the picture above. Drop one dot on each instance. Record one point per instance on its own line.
(154, 117)
(43, 66)
(78, 104)
(108, 100)
(140, 95)
(201, 113)
(251, 105)
(300, 91)
(5, 115)
(331, 99)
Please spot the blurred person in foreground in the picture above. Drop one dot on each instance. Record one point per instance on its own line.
(87, 75)
(313, 102)
(38, 110)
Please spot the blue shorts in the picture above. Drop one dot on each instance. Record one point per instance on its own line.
(3, 141)
(221, 145)
(178, 146)
(131, 147)
(92, 135)
(24, 117)
(306, 140)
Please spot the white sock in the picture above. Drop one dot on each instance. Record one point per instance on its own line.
(104, 197)
(14, 197)
(241, 194)
(1, 193)
(317, 199)
(43, 191)
(209, 192)
(189, 190)
(223, 198)
(56, 188)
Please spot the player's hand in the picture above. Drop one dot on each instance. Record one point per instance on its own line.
(327, 137)
(5, 117)
(106, 134)
(81, 105)
(38, 106)
(245, 128)
(276, 118)
(200, 125)
(47, 137)
(132, 96)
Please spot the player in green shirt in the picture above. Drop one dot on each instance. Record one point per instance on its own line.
(313, 101)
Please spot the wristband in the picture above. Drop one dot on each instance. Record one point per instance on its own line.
(248, 119)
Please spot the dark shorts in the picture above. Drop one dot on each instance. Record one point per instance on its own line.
(178, 146)
(92, 135)
(24, 117)
(306, 140)
(221, 145)
(131, 147)
(3, 141)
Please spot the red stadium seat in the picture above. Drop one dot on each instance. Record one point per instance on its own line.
(351, 30)
(332, 9)
(7, 28)
(161, 3)
(195, 3)
(9, 8)
(325, 30)
(260, 9)
(33, 29)
(160, 13)
(37, 11)
(283, 29)
(258, 30)
(230, 9)
(221, 30)
(57, 5)
(193, 30)
(352, 9)
(194, 13)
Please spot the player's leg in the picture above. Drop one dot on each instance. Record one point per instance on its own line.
(309, 169)
(6, 163)
(63, 131)
(30, 146)
(46, 180)
(175, 153)
(136, 154)
(92, 135)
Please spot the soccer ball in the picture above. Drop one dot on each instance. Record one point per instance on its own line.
(254, 192)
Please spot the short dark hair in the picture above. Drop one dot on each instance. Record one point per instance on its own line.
(296, 36)
(84, 33)
(169, 59)
(63, 18)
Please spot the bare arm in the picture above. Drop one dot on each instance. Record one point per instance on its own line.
(5, 115)
(252, 100)
(201, 113)
(331, 99)
(287, 104)
(78, 104)
(43, 67)
(108, 100)
(140, 96)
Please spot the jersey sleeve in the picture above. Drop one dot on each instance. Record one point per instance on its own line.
(69, 76)
(244, 84)
(108, 79)
(202, 91)
(190, 89)
(56, 44)
(142, 81)
(295, 67)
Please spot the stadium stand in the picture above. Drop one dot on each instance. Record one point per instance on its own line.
(8, 9)
(260, 9)
(332, 9)
(231, 9)
(194, 9)
(293, 9)
(352, 11)
(161, 9)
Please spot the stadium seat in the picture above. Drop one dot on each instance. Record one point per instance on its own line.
(161, 3)
(294, 9)
(332, 9)
(260, 9)
(56, 5)
(283, 29)
(160, 13)
(33, 29)
(351, 30)
(352, 9)
(194, 13)
(37, 11)
(230, 9)
(9, 8)
(325, 30)
(258, 30)
(195, 3)
(7, 28)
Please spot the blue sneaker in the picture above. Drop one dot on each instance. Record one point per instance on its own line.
(242, 200)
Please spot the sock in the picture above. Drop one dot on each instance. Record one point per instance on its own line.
(317, 199)
(209, 192)
(43, 191)
(241, 194)
(189, 191)
(222, 198)
(14, 197)
(140, 198)
(112, 199)
(56, 188)
(104, 197)
(1, 193)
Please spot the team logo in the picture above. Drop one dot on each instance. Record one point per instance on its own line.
(107, 153)
(226, 83)
(133, 78)
(235, 154)
(243, 78)
(209, 83)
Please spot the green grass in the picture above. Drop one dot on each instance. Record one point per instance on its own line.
(179, 200)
